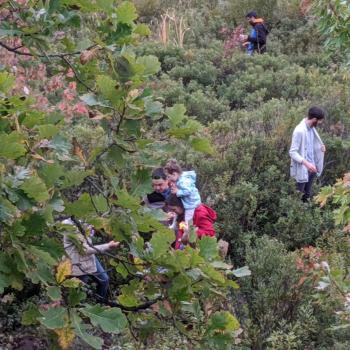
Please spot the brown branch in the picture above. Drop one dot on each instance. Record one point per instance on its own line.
(133, 334)
(15, 50)
(106, 149)
(121, 119)
(94, 205)
(82, 231)
(70, 65)
(140, 307)
(52, 55)
(100, 191)
(143, 306)
(62, 56)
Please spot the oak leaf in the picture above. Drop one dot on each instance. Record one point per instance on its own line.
(65, 337)
(64, 269)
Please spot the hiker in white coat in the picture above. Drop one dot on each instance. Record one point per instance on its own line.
(85, 264)
(307, 152)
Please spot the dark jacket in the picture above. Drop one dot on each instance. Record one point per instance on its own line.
(259, 39)
(156, 200)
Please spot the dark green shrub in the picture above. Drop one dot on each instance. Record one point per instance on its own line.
(282, 314)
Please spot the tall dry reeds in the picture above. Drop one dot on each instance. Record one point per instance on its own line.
(172, 25)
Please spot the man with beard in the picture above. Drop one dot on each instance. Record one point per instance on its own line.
(307, 152)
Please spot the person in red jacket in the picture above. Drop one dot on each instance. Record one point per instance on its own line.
(203, 220)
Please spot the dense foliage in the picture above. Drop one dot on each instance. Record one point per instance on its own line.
(93, 97)
(77, 133)
(334, 24)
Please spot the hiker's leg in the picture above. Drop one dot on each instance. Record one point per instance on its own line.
(189, 214)
(102, 280)
(301, 189)
(84, 278)
(308, 187)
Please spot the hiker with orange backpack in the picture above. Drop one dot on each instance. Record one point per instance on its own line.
(255, 42)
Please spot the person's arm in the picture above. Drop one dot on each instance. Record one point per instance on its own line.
(184, 188)
(99, 248)
(295, 146)
(252, 39)
(183, 192)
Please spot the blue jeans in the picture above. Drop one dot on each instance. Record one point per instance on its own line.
(100, 277)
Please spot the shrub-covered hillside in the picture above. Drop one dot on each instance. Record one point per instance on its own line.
(251, 106)
(94, 95)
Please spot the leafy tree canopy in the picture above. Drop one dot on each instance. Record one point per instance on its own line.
(70, 64)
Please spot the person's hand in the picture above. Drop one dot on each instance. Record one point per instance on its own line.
(323, 148)
(173, 189)
(243, 37)
(171, 215)
(183, 226)
(113, 244)
(310, 166)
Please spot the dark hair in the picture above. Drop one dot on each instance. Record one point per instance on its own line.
(316, 112)
(251, 14)
(158, 174)
(174, 201)
(172, 166)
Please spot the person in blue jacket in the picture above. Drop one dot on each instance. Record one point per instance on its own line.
(183, 184)
(256, 40)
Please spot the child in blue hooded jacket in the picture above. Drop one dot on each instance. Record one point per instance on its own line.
(183, 184)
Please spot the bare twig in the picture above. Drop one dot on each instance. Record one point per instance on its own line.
(52, 55)
(94, 205)
(70, 65)
(100, 191)
(15, 50)
(140, 307)
(121, 119)
(62, 56)
(118, 258)
(107, 148)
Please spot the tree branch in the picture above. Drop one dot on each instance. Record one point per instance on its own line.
(62, 56)
(106, 149)
(15, 50)
(121, 119)
(94, 205)
(70, 65)
(82, 231)
(140, 307)
(100, 191)
(52, 55)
